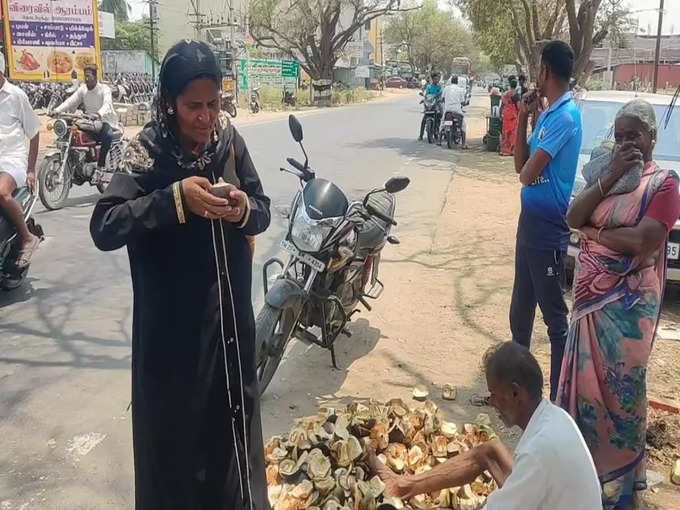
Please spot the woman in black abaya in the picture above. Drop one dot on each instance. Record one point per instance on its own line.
(196, 420)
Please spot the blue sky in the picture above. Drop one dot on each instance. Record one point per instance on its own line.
(647, 19)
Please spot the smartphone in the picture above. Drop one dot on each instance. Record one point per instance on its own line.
(222, 190)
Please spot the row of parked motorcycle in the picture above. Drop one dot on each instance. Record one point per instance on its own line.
(130, 88)
(46, 95)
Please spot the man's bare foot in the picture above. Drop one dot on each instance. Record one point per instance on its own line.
(26, 251)
(395, 485)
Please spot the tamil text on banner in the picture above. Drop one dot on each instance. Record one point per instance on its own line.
(48, 40)
(269, 73)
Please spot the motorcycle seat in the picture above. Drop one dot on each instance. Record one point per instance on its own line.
(370, 234)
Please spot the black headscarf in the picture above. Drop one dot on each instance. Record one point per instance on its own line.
(186, 61)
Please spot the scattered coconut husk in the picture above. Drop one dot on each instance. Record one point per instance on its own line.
(449, 392)
(323, 463)
(420, 393)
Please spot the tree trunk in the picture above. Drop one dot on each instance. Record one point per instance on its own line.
(322, 83)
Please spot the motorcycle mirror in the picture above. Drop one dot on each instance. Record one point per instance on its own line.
(397, 184)
(420, 93)
(295, 128)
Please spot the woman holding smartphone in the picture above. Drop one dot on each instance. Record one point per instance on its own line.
(196, 420)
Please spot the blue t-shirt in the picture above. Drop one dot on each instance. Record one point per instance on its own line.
(558, 132)
(435, 90)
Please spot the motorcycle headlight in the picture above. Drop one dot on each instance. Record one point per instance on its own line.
(308, 234)
(60, 128)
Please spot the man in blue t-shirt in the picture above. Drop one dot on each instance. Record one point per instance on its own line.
(546, 165)
(434, 89)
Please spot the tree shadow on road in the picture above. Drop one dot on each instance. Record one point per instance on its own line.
(76, 202)
(306, 372)
(411, 147)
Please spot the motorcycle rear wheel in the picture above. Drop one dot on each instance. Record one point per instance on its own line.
(449, 139)
(254, 107)
(273, 331)
(230, 109)
(53, 195)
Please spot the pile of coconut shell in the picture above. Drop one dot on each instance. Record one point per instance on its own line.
(322, 463)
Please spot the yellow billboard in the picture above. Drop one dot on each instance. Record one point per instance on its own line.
(50, 40)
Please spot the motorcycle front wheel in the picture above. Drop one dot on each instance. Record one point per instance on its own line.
(430, 131)
(53, 193)
(254, 107)
(273, 329)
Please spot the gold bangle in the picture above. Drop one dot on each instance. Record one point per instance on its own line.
(599, 185)
(179, 208)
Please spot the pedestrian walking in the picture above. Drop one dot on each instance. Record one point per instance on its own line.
(509, 112)
(196, 425)
(617, 301)
(546, 164)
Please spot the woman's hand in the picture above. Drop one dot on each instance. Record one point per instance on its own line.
(588, 232)
(625, 157)
(201, 202)
(238, 204)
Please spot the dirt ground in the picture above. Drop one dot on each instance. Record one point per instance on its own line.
(447, 301)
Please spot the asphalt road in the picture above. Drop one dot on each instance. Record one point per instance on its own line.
(65, 336)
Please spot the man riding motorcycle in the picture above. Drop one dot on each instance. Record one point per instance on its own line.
(454, 95)
(18, 123)
(97, 101)
(434, 89)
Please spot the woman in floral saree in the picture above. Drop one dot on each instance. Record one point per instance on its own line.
(618, 288)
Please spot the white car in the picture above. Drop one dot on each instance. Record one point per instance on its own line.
(598, 110)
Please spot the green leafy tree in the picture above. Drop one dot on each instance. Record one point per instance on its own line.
(525, 25)
(313, 31)
(430, 37)
(119, 8)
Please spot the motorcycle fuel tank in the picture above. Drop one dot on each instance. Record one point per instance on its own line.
(323, 199)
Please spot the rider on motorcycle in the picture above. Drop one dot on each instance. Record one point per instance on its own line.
(454, 96)
(97, 101)
(434, 89)
(18, 122)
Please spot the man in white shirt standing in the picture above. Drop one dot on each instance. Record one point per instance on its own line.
(97, 101)
(18, 123)
(454, 97)
(551, 469)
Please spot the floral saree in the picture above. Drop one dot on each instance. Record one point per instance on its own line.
(616, 309)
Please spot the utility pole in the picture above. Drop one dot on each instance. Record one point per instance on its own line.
(153, 12)
(655, 80)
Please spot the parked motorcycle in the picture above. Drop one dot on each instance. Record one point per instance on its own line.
(451, 129)
(334, 249)
(73, 159)
(229, 103)
(254, 100)
(432, 112)
(289, 98)
(11, 277)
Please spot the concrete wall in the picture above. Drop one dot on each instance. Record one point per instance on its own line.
(126, 61)
(175, 19)
(669, 75)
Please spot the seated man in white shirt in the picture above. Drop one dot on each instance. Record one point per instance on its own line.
(97, 100)
(551, 469)
(18, 123)
(454, 96)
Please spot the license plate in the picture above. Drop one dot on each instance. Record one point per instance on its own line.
(448, 123)
(312, 262)
(673, 251)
